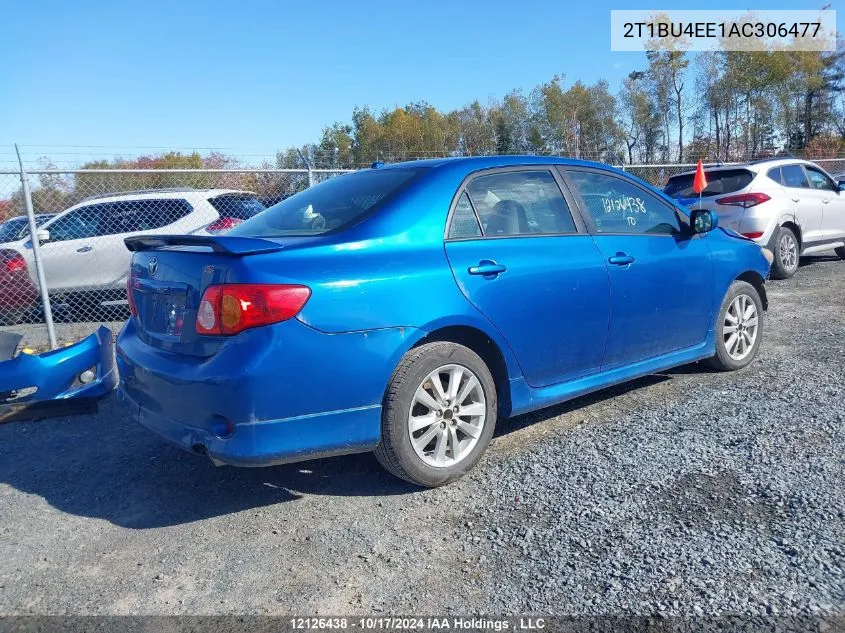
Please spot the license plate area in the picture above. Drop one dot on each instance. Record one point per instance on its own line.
(162, 308)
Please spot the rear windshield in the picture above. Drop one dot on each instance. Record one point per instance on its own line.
(237, 205)
(718, 182)
(333, 204)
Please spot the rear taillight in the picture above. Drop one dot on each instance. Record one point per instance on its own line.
(230, 308)
(13, 262)
(744, 200)
(223, 224)
(753, 235)
(130, 283)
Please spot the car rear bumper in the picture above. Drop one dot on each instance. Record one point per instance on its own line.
(271, 442)
(270, 395)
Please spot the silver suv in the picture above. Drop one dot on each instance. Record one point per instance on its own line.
(791, 206)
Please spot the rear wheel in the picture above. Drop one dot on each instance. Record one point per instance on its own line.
(439, 414)
(840, 250)
(739, 328)
(787, 254)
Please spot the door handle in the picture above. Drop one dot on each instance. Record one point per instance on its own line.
(825, 200)
(84, 249)
(796, 199)
(621, 259)
(487, 268)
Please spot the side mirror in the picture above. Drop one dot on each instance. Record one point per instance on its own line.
(43, 235)
(703, 221)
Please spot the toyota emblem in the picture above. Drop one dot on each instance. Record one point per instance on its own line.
(152, 266)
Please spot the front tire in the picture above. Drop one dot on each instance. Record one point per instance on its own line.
(739, 328)
(787, 254)
(840, 250)
(439, 414)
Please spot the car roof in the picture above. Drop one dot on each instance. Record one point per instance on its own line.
(159, 194)
(755, 166)
(472, 163)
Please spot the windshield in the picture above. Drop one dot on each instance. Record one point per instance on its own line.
(333, 204)
(718, 182)
(10, 229)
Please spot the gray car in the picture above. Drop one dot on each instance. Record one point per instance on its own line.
(790, 206)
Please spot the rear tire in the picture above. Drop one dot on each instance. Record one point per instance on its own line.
(787, 254)
(432, 434)
(739, 328)
(840, 250)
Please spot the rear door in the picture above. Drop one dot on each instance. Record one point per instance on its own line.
(521, 258)
(661, 277)
(833, 203)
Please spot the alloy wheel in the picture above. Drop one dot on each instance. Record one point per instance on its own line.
(447, 416)
(788, 252)
(739, 331)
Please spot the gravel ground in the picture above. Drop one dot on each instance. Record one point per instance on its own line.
(685, 493)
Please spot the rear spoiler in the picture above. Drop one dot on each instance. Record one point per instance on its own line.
(217, 243)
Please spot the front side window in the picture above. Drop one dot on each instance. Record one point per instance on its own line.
(78, 224)
(819, 180)
(617, 206)
(793, 176)
(334, 204)
(520, 203)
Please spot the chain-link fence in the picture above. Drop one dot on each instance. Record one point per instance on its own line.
(82, 254)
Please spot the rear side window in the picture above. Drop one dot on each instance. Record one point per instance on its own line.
(238, 206)
(615, 205)
(774, 174)
(520, 203)
(719, 182)
(334, 204)
(464, 223)
(131, 216)
(793, 176)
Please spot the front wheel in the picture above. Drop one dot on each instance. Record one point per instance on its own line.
(739, 328)
(840, 250)
(439, 414)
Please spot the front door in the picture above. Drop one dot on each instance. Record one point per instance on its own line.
(519, 257)
(806, 202)
(661, 276)
(832, 204)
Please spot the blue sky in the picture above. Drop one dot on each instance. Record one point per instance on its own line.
(255, 76)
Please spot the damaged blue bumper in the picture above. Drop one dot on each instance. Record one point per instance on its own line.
(82, 370)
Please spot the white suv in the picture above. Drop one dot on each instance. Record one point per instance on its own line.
(791, 206)
(82, 248)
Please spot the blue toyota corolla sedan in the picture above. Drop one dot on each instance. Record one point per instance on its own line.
(404, 308)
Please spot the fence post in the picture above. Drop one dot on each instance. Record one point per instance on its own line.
(36, 254)
(308, 167)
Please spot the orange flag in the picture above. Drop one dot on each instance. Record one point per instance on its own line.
(700, 182)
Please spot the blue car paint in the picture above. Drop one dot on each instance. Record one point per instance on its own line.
(313, 385)
(54, 372)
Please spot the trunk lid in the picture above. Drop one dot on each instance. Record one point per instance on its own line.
(168, 276)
